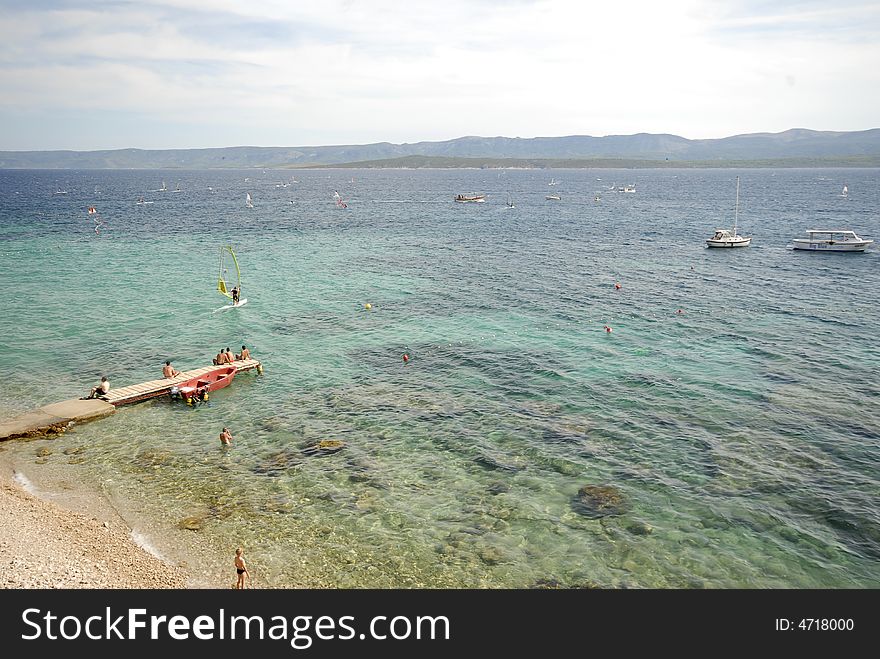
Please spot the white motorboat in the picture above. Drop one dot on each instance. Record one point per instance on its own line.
(831, 240)
(727, 238)
(479, 199)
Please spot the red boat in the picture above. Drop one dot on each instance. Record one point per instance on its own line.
(210, 381)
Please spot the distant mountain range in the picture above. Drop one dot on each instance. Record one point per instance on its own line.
(796, 147)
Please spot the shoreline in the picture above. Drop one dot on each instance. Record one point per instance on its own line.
(54, 539)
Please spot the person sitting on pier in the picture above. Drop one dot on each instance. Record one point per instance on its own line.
(101, 389)
(229, 356)
(220, 358)
(245, 354)
(169, 371)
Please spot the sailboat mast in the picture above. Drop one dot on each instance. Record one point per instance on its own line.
(736, 208)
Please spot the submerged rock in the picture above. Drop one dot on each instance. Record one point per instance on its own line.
(492, 462)
(43, 452)
(492, 555)
(75, 451)
(277, 463)
(190, 523)
(151, 458)
(639, 528)
(595, 501)
(498, 488)
(551, 583)
(324, 447)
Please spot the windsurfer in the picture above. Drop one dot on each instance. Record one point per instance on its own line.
(236, 293)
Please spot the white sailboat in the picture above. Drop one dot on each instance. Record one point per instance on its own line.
(845, 192)
(553, 181)
(509, 201)
(726, 238)
(248, 201)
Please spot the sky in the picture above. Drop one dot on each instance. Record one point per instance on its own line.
(158, 74)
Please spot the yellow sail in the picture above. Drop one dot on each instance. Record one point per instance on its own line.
(226, 254)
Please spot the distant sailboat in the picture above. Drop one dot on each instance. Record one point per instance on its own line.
(509, 201)
(340, 202)
(164, 187)
(248, 201)
(845, 192)
(553, 181)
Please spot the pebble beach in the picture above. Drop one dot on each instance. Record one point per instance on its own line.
(82, 544)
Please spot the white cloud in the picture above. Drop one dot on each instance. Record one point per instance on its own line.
(302, 73)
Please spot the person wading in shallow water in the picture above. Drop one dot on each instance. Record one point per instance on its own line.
(241, 569)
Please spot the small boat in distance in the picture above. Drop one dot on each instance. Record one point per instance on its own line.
(725, 238)
(845, 192)
(509, 202)
(479, 199)
(831, 240)
(553, 197)
(626, 188)
(210, 381)
(248, 201)
(553, 181)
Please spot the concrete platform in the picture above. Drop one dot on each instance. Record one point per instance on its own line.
(54, 418)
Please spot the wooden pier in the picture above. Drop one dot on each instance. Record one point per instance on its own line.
(137, 392)
(57, 417)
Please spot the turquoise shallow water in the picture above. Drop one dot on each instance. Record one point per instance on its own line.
(740, 436)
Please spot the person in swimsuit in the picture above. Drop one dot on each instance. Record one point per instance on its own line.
(236, 294)
(241, 569)
(226, 437)
(169, 371)
(101, 389)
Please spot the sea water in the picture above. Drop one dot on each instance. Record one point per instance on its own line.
(727, 425)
